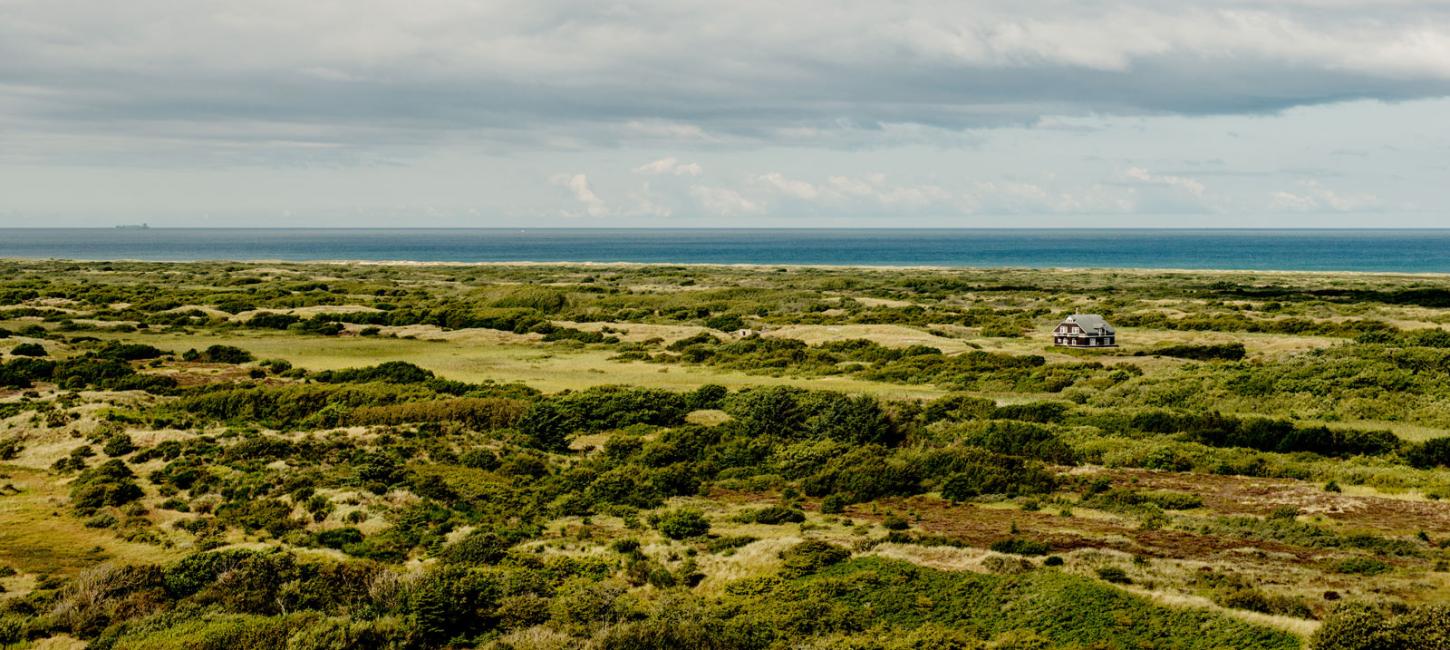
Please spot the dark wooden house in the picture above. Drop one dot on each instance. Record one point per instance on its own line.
(1085, 331)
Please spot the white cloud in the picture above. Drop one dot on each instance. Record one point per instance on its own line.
(873, 189)
(648, 204)
(1314, 196)
(578, 186)
(876, 188)
(566, 73)
(724, 201)
(790, 187)
(376, 107)
(670, 166)
(1291, 202)
(1188, 185)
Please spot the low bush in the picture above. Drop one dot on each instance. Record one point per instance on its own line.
(682, 524)
(810, 557)
(1019, 546)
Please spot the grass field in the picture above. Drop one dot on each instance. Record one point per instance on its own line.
(483, 355)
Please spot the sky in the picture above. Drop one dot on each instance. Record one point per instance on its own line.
(686, 113)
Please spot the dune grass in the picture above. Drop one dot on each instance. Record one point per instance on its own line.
(37, 537)
(476, 356)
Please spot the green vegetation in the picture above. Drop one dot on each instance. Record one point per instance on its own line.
(310, 456)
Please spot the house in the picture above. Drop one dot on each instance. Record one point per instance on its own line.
(1085, 331)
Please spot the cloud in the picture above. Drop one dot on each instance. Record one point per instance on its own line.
(1015, 197)
(876, 188)
(670, 166)
(1314, 196)
(1188, 185)
(725, 202)
(789, 187)
(850, 191)
(578, 186)
(521, 74)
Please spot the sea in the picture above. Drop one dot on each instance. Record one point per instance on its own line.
(1409, 251)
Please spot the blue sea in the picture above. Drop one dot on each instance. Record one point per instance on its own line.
(1299, 250)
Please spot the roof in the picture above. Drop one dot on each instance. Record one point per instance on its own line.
(1091, 323)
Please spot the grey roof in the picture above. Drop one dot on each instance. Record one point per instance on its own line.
(1091, 323)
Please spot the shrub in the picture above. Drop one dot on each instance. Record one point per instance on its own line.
(1367, 627)
(339, 537)
(776, 515)
(11, 446)
(811, 556)
(1203, 352)
(1018, 546)
(28, 350)
(271, 320)
(725, 323)
(1114, 575)
(1431, 453)
(479, 459)
(481, 413)
(682, 524)
(481, 547)
(1042, 412)
(218, 354)
(1365, 566)
(708, 396)
(959, 407)
(119, 444)
(548, 422)
(392, 372)
(128, 351)
(1018, 439)
(979, 477)
(546, 426)
(108, 484)
(540, 299)
(1123, 498)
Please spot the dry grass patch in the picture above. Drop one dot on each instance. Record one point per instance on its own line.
(893, 336)
(38, 535)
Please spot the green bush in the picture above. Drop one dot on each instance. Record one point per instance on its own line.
(339, 537)
(725, 322)
(1364, 566)
(1017, 439)
(117, 445)
(1202, 352)
(1114, 575)
(218, 354)
(775, 515)
(810, 557)
(540, 299)
(708, 396)
(111, 483)
(1359, 626)
(1019, 546)
(481, 547)
(1431, 453)
(28, 350)
(682, 524)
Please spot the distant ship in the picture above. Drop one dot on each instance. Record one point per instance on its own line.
(133, 226)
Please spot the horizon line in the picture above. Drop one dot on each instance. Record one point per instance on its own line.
(138, 227)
